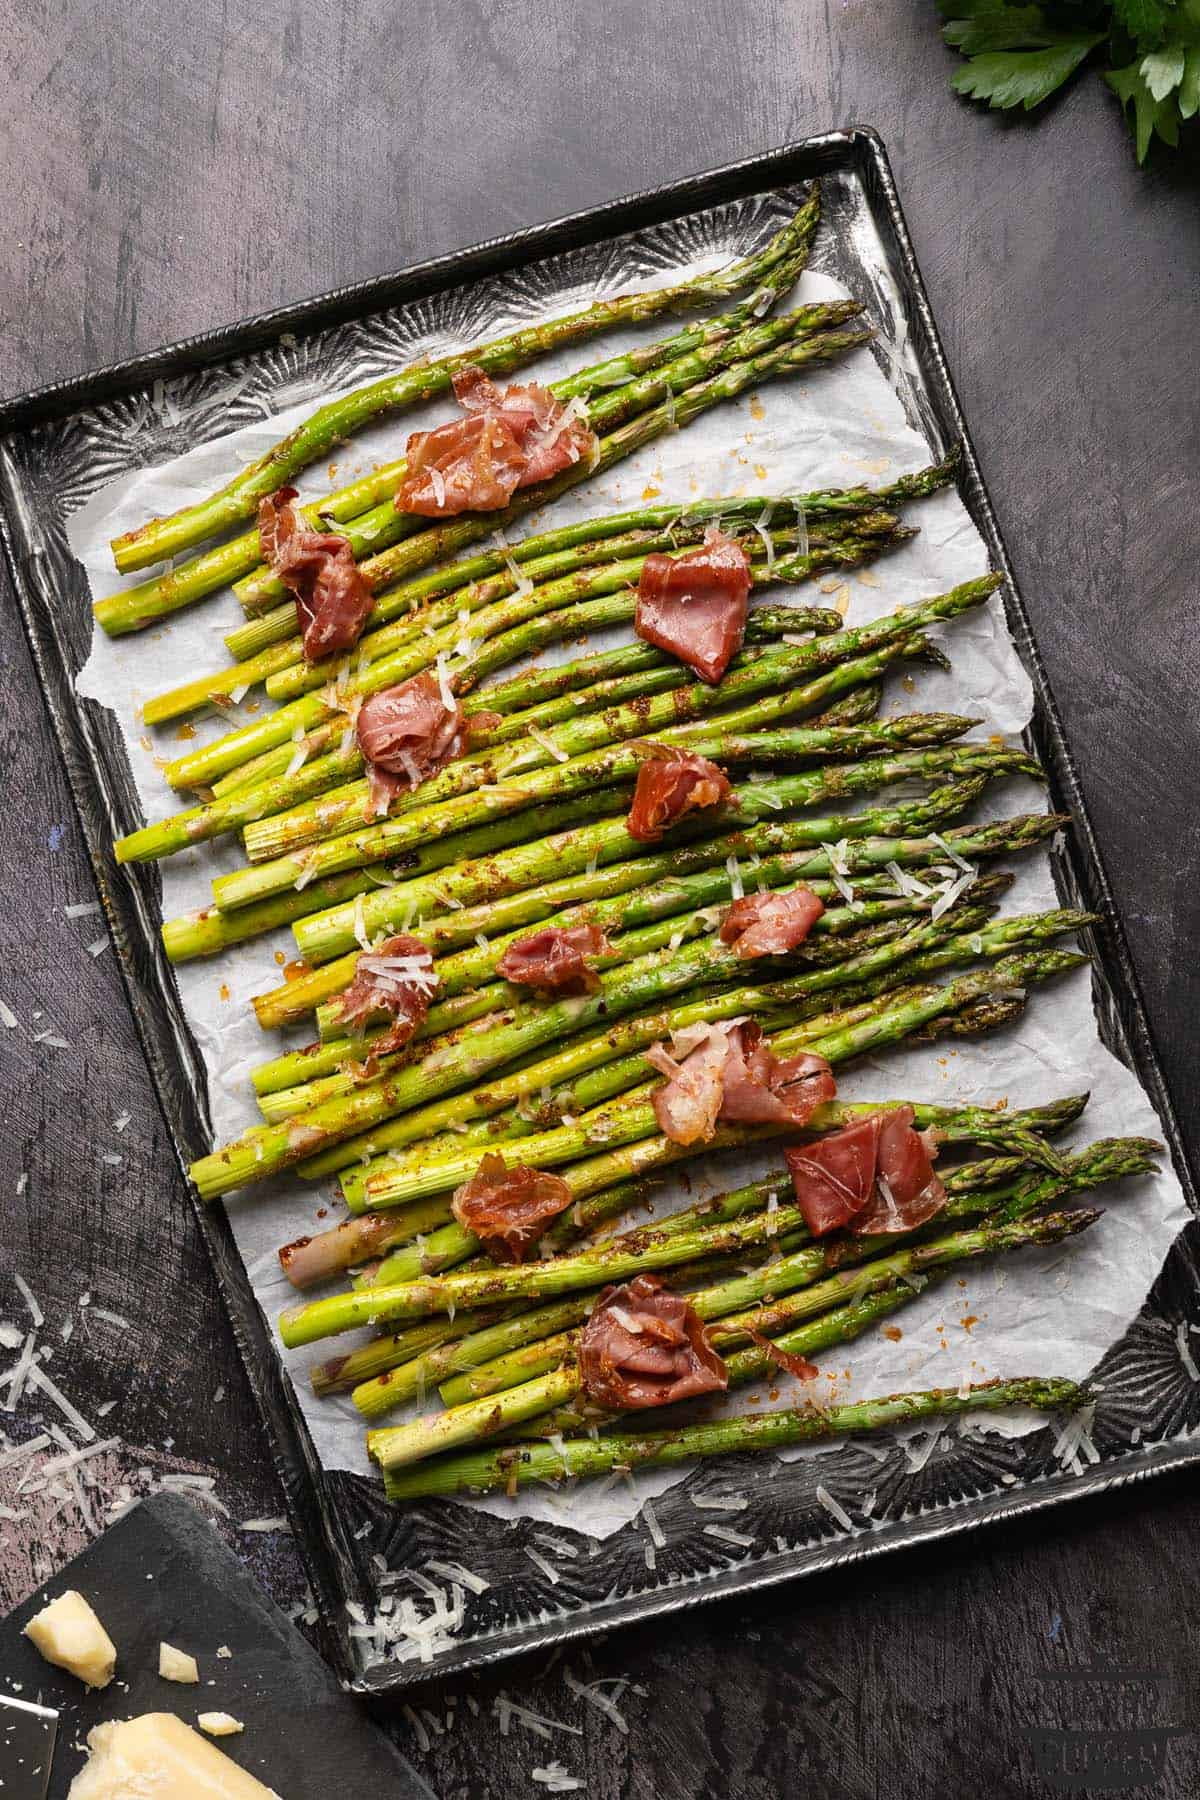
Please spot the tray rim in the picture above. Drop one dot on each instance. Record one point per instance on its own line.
(24, 413)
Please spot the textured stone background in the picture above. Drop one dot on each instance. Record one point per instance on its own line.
(172, 169)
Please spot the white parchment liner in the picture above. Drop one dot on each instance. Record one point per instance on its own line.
(1052, 1311)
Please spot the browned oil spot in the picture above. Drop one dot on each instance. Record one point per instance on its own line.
(294, 970)
(650, 492)
(971, 1319)
(224, 990)
(756, 409)
(893, 1332)
(281, 957)
(185, 731)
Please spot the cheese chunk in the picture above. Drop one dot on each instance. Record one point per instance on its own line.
(158, 1754)
(176, 1665)
(219, 1724)
(68, 1633)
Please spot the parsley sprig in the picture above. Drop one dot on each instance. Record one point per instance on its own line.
(1147, 50)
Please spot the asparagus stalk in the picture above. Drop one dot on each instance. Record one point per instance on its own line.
(335, 931)
(345, 805)
(488, 574)
(582, 1074)
(379, 534)
(431, 1169)
(899, 1015)
(792, 1291)
(619, 765)
(288, 655)
(540, 549)
(485, 609)
(888, 972)
(587, 1097)
(208, 930)
(335, 1063)
(420, 381)
(396, 1446)
(460, 1065)
(519, 1354)
(203, 767)
(517, 1465)
(542, 697)
(350, 807)
(472, 1365)
(585, 848)
(645, 714)
(635, 1124)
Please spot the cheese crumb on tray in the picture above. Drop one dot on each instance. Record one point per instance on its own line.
(177, 1665)
(159, 1754)
(68, 1634)
(219, 1724)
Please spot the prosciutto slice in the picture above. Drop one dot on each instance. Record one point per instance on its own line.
(874, 1176)
(771, 924)
(642, 1346)
(763, 1089)
(395, 978)
(671, 783)
(834, 1177)
(728, 1075)
(505, 441)
(554, 961)
(907, 1192)
(318, 568)
(406, 734)
(689, 1102)
(694, 606)
(508, 1209)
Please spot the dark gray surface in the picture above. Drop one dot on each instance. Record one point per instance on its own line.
(172, 169)
(159, 1575)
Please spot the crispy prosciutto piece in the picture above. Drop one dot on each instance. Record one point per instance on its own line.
(874, 1176)
(318, 568)
(642, 1346)
(728, 1075)
(907, 1192)
(505, 441)
(406, 734)
(396, 978)
(554, 961)
(834, 1177)
(791, 1360)
(689, 1101)
(771, 924)
(508, 1209)
(763, 1089)
(671, 783)
(694, 606)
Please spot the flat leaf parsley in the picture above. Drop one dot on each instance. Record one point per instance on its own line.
(1147, 50)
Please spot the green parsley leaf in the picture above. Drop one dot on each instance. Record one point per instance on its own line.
(1146, 21)
(1000, 28)
(1162, 70)
(1189, 87)
(1150, 115)
(1022, 77)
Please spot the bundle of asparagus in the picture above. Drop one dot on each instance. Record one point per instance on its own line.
(528, 825)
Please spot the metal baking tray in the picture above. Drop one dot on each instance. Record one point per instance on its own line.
(59, 445)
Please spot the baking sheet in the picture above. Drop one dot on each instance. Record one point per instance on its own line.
(1058, 1309)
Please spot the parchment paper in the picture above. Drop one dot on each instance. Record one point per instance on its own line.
(1046, 1311)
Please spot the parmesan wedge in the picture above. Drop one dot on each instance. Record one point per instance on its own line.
(159, 1754)
(68, 1634)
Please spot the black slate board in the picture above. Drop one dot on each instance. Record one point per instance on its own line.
(161, 1573)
